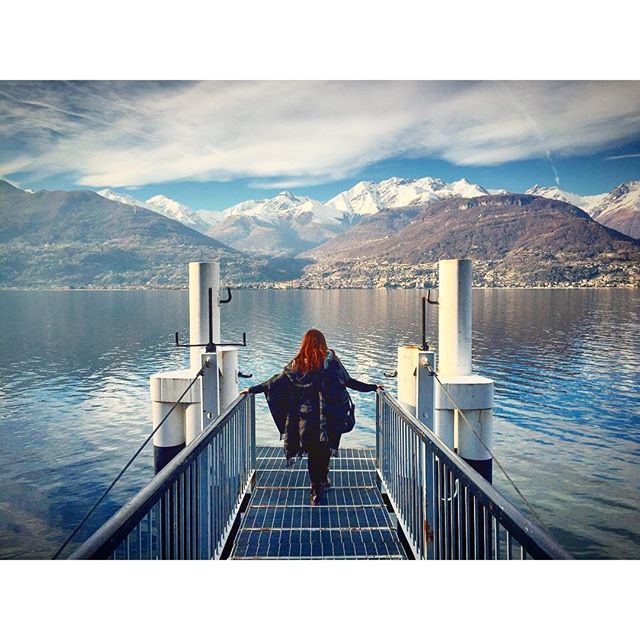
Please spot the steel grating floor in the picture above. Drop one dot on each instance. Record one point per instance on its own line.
(351, 522)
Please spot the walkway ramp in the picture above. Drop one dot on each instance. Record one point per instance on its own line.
(352, 522)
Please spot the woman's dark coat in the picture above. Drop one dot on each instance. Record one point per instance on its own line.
(309, 407)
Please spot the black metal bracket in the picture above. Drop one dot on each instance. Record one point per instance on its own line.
(210, 347)
(425, 344)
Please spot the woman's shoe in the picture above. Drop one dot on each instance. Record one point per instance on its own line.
(326, 485)
(316, 493)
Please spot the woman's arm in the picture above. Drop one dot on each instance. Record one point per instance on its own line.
(258, 388)
(354, 384)
(357, 385)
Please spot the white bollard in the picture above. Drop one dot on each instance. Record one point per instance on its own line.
(462, 400)
(454, 317)
(202, 276)
(407, 368)
(228, 375)
(166, 389)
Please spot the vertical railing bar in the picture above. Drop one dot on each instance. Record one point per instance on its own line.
(166, 538)
(485, 532)
(508, 544)
(452, 517)
(424, 498)
(447, 511)
(467, 524)
(183, 515)
(210, 500)
(440, 512)
(189, 511)
(475, 526)
(175, 523)
(459, 524)
(197, 522)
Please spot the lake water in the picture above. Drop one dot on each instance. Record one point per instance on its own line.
(74, 401)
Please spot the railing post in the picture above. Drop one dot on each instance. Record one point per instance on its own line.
(425, 392)
(252, 428)
(210, 406)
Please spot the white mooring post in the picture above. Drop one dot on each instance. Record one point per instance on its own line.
(203, 401)
(462, 397)
(415, 384)
(202, 277)
(228, 375)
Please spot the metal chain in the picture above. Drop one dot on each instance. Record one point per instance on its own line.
(135, 455)
(477, 435)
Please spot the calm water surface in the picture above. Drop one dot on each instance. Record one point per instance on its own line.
(74, 371)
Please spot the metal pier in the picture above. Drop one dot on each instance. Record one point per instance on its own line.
(352, 522)
(223, 497)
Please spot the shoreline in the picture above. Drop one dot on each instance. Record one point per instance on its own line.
(261, 288)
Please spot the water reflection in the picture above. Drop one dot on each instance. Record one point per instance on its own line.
(74, 372)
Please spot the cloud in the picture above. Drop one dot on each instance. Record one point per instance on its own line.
(628, 155)
(127, 134)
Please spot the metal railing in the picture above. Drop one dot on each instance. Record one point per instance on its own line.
(188, 509)
(445, 508)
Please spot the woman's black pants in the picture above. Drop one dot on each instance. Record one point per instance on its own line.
(318, 459)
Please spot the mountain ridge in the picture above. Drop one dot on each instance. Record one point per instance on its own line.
(514, 239)
(81, 239)
(618, 209)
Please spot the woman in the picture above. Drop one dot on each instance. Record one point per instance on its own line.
(310, 406)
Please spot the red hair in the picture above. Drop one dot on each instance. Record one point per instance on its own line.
(313, 351)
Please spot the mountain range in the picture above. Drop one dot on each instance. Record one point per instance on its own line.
(389, 233)
(80, 239)
(288, 224)
(513, 239)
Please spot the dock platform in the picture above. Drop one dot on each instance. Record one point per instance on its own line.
(352, 521)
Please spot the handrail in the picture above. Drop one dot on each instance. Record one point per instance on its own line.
(443, 475)
(106, 539)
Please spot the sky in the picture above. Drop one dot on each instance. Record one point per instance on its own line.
(212, 144)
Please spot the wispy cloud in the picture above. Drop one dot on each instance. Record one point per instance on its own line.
(297, 133)
(628, 155)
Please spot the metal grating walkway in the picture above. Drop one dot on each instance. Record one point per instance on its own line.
(352, 521)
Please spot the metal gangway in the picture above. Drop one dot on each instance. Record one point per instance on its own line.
(424, 492)
(411, 497)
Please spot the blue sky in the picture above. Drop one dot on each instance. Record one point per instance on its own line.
(213, 144)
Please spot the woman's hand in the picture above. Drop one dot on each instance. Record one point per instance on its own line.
(379, 387)
(244, 392)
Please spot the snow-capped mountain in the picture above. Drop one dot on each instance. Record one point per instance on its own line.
(124, 198)
(199, 220)
(283, 225)
(370, 197)
(619, 209)
(586, 203)
(288, 223)
(286, 204)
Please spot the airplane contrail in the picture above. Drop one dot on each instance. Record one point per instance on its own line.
(536, 127)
